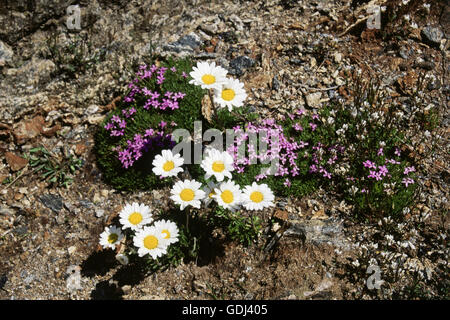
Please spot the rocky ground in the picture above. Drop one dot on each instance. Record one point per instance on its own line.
(57, 84)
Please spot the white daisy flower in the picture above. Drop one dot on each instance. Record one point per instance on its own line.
(150, 241)
(135, 216)
(111, 237)
(231, 94)
(168, 229)
(257, 197)
(208, 76)
(209, 192)
(217, 164)
(167, 164)
(228, 195)
(187, 193)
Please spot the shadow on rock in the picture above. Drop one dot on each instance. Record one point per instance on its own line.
(107, 290)
(98, 263)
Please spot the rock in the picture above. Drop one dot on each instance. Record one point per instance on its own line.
(28, 129)
(229, 36)
(86, 204)
(329, 231)
(404, 53)
(337, 57)
(434, 85)
(319, 291)
(296, 61)
(73, 281)
(20, 231)
(6, 54)
(185, 45)
(99, 213)
(104, 193)
(313, 99)
(275, 84)
(52, 201)
(95, 119)
(237, 22)
(15, 162)
(71, 250)
(432, 36)
(80, 149)
(426, 65)
(36, 72)
(126, 289)
(19, 18)
(240, 64)
(96, 198)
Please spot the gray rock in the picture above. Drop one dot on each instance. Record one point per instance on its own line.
(240, 64)
(6, 54)
(20, 231)
(237, 22)
(275, 83)
(328, 231)
(52, 201)
(432, 35)
(191, 40)
(404, 53)
(184, 45)
(434, 85)
(21, 17)
(86, 204)
(296, 61)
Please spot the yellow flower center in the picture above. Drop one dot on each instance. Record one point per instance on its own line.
(150, 242)
(256, 196)
(187, 195)
(167, 233)
(208, 79)
(169, 165)
(228, 94)
(227, 196)
(218, 166)
(135, 218)
(113, 238)
(211, 194)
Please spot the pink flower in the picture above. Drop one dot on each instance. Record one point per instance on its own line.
(407, 181)
(409, 169)
(383, 170)
(380, 152)
(369, 164)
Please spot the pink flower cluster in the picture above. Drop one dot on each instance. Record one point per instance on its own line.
(278, 146)
(141, 143)
(379, 172)
(136, 148)
(322, 156)
(170, 100)
(116, 126)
